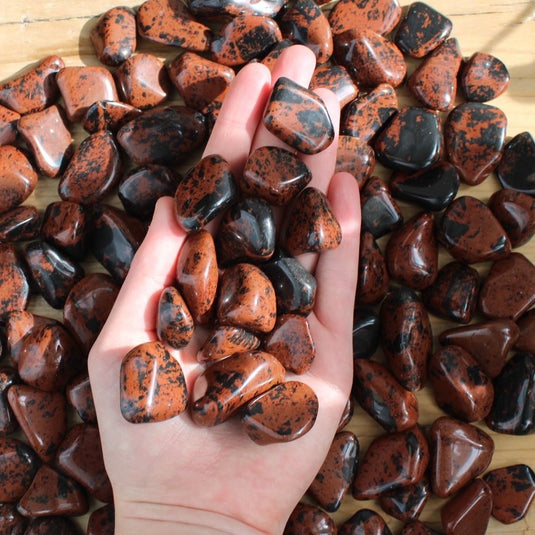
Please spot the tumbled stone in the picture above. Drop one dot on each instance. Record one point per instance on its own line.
(365, 521)
(380, 212)
(9, 121)
(422, 30)
(8, 422)
(108, 115)
(417, 528)
(291, 343)
(283, 413)
(114, 239)
(367, 114)
(370, 58)
(215, 8)
(225, 340)
(246, 299)
(337, 471)
(469, 511)
(197, 274)
(406, 337)
(310, 520)
(299, 117)
(51, 525)
(114, 35)
(356, 157)
(411, 253)
(513, 410)
(460, 452)
(509, 288)
(22, 223)
(381, 16)
(11, 522)
(53, 272)
(347, 414)
(42, 417)
(295, 287)
(526, 338)
(18, 465)
(366, 332)
(515, 169)
(142, 187)
(408, 502)
(488, 342)
(79, 456)
(199, 81)
(81, 87)
(412, 140)
(382, 397)
(174, 324)
(230, 383)
(153, 387)
(337, 79)
(271, 57)
(14, 287)
(432, 188)
(81, 399)
(102, 521)
(246, 232)
(244, 38)
(87, 308)
(513, 490)
(373, 279)
(18, 178)
(33, 90)
(142, 81)
(206, 191)
(516, 213)
(169, 22)
(52, 493)
(483, 77)
(460, 386)
(474, 135)
(274, 174)
(49, 139)
(305, 23)
(392, 460)
(49, 358)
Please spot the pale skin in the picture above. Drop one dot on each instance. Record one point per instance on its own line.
(174, 477)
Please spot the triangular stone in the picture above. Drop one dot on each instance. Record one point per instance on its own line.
(374, 278)
(174, 323)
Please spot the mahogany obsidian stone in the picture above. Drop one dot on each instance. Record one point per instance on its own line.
(515, 169)
(22, 223)
(102, 521)
(309, 519)
(381, 16)
(408, 502)
(14, 281)
(337, 79)
(365, 332)
(483, 77)
(8, 422)
(51, 525)
(374, 279)
(11, 521)
(365, 521)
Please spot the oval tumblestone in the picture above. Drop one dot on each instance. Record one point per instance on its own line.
(374, 279)
(337, 79)
(408, 502)
(484, 77)
(15, 287)
(108, 115)
(309, 519)
(380, 16)
(174, 324)
(365, 521)
(22, 223)
(224, 341)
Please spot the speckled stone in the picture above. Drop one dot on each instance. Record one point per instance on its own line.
(356, 157)
(52, 525)
(382, 397)
(365, 521)
(367, 114)
(174, 324)
(42, 417)
(35, 89)
(102, 521)
(230, 383)
(224, 341)
(337, 79)
(291, 343)
(483, 77)
(474, 135)
(153, 387)
(513, 410)
(309, 520)
(417, 528)
(108, 115)
(526, 339)
(271, 57)
(454, 293)
(18, 465)
(469, 511)
(347, 414)
(515, 169)
(80, 397)
(299, 117)
(49, 139)
(114, 35)
(406, 337)
(366, 332)
(392, 460)
(460, 386)
(380, 16)
(513, 490)
(22, 223)
(460, 452)
(81, 87)
(14, 284)
(169, 22)
(488, 342)
(374, 279)
(408, 502)
(215, 8)
(8, 422)
(53, 272)
(9, 121)
(11, 522)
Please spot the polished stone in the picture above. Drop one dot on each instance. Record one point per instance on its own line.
(366, 332)
(11, 522)
(174, 324)
(356, 157)
(271, 57)
(310, 520)
(15, 286)
(526, 338)
(9, 121)
(337, 79)
(215, 8)
(8, 422)
(483, 77)
(51, 525)
(80, 397)
(22, 223)
(408, 502)
(515, 169)
(365, 521)
(347, 414)
(224, 341)
(108, 115)
(374, 279)
(153, 387)
(417, 528)
(381, 16)
(102, 521)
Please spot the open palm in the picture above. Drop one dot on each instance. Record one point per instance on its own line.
(176, 477)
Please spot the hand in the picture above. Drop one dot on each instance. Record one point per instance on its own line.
(173, 476)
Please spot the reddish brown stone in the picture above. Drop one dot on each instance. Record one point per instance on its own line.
(515, 167)
(365, 521)
(408, 502)
(356, 157)
(484, 77)
(51, 525)
(22, 223)
(225, 340)
(80, 397)
(417, 528)
(174, 324)
(337, 79)
(271, 57)
(349, 409)
(8, 422)
(310, 520)
(108, 115)
(380, 16)
(9, 120)
(374, 280)
(102, 521)
(11, 522)
(14, 284)
(526, 338)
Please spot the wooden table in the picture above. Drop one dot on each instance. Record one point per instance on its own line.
(33, 29)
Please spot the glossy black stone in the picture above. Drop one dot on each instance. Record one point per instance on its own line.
(380, 212)
(516, 169)
(246, 232)
(366, 330)
(432, 188)
(20, 224)
(411, 141)
(513, 410)
(406, 503)
(365, 521)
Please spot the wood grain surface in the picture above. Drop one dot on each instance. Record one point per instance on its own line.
(32, 29)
